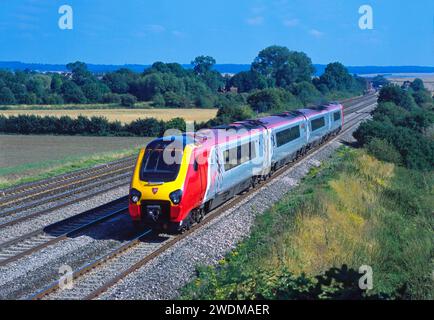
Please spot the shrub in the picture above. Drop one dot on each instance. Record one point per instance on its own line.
(111, 98)
(383, 150)
(128, 100)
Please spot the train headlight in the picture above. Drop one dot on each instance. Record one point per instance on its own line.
(176, 196)
(135, 195)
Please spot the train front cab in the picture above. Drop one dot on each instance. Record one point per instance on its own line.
(162, 193)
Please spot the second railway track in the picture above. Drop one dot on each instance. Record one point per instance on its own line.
(32, 242)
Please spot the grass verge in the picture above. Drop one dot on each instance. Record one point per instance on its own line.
(353, 211)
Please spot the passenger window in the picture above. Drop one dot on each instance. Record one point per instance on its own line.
(287, 135)
(239, 155)
(337, 116)
(317, 123)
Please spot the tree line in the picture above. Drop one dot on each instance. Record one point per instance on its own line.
(278, 78)
(402, 128)
(97, 126)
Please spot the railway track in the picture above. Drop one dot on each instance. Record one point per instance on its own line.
(15, 216)
(32, 242)
(99, 275)
(59, 184)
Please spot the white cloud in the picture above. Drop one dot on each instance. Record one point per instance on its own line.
(255, 21)
(316, 33)
(291, 22)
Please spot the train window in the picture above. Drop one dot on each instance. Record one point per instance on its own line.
(337, 116)
(287, 135)
(317, 123)
(161, 162)
(238, 155)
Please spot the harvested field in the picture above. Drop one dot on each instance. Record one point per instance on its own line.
(125, 115)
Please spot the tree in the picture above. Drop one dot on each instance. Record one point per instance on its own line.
(336, 77)
(203, 64)
(247, 81)
(417, 85)
(393, 93)
(7, 96)
(128, 100)
(306, 93)
(230, 113)
(72, 93)
(283, 66)
(93, 91)
(272, 100)
(117, 82)
(36, 85)
(56, 83)
(379, 81)
(80, 74)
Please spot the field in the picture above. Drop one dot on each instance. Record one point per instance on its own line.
(123, 115)
(28, 158)
(74, 106)
(428, 79)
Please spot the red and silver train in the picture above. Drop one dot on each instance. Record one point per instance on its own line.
(178, 179)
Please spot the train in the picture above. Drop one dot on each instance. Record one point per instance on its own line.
(179, 178)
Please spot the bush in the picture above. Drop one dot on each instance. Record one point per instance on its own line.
(111, 98)
(400, 97)
(96, 126)
(128, 100)
(383, 150)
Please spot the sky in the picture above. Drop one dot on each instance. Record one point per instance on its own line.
(145, 31)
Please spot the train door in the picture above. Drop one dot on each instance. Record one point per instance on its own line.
(203, 173)
(268, 148)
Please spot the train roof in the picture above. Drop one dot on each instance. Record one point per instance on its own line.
(240, 129)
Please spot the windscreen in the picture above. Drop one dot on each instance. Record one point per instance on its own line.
(161, 161)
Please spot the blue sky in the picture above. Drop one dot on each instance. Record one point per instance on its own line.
(144, 31)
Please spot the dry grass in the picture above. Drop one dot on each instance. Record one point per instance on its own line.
(125, 115)
(335, 229)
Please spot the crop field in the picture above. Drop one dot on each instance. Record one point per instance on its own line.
(123, 115)
(28, 158)
(74, 106)
(428, 80)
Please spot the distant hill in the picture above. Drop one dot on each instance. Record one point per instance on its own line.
(222, 68)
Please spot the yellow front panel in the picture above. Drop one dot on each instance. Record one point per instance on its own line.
(167, 187)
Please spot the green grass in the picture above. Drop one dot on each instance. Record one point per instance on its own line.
(354, 211)
(48, 169)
